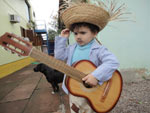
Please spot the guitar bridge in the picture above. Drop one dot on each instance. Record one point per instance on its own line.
(106, 90)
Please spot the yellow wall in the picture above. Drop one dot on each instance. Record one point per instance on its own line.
(7, 7)
(17, 7)
(9, 62)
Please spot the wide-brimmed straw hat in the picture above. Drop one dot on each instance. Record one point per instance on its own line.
(85, 13)
(90, 13)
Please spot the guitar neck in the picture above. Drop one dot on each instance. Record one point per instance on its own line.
(57, 64)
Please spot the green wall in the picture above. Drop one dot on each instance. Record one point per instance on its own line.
(129, 41)
(7, 7)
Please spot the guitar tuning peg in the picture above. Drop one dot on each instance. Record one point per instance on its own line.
(5, 48)
(22, 52)
(18, 55)
(12, 52)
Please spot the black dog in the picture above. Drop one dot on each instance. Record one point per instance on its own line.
(53, 76)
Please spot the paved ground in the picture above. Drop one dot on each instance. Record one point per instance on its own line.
(26, 91)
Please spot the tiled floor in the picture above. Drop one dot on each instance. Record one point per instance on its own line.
(26, 91)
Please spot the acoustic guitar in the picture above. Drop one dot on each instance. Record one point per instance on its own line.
(101, 98)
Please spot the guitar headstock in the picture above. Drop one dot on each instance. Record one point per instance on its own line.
(15, 44)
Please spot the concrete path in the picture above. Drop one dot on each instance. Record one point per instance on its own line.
(26, 91)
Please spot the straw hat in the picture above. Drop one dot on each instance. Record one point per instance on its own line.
(90, 13)
(85, 13)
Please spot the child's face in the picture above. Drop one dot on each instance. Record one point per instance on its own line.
(83, 35)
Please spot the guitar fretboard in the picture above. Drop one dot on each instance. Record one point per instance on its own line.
(57, 64)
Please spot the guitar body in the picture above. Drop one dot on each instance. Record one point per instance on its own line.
(102, 98)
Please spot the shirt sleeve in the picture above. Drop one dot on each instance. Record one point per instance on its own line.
(60, 51)
(108, 66)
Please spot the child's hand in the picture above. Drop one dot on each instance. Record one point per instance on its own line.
(65, 33)
(90, 79)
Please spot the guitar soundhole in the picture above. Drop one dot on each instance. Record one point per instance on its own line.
(86, 85)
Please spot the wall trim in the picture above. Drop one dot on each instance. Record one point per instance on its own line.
(12, 67)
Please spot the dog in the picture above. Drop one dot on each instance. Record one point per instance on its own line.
(53, 76)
